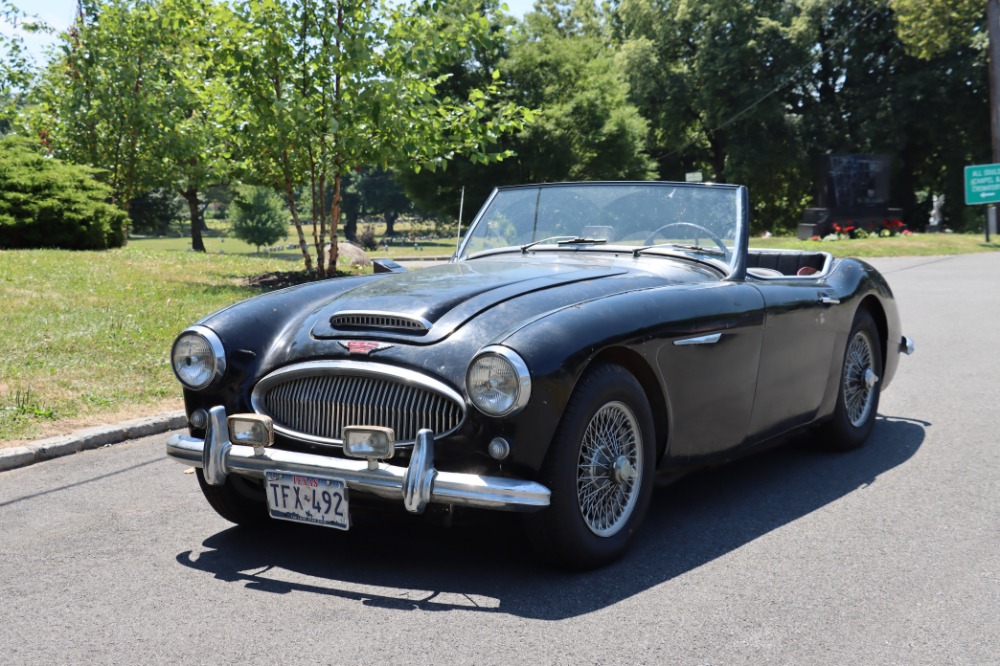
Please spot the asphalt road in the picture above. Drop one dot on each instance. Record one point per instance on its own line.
(887, 555)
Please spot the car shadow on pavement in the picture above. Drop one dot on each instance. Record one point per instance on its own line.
(404, 563)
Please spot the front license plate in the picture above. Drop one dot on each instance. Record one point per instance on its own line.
(308, 499)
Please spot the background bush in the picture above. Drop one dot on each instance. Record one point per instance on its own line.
(258, 216)
(48, 203)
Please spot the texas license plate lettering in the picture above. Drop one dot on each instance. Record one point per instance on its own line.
(307, 499)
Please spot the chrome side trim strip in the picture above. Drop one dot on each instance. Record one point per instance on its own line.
(415, 486)
(700, 340)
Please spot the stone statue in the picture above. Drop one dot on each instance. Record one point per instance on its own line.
(936, 206)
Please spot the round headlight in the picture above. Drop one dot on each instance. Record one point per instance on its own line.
(198, 357)
(498, 382)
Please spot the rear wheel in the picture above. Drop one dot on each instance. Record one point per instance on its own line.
(238, 500)
(599, 469)
(860, 386)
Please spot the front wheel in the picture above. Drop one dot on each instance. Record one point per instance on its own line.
(600, 469)
(860, 386)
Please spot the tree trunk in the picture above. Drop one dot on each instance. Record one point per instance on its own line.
(331, 267)
(390, 222)
(351, 226)
(194, 208)
(290, 195)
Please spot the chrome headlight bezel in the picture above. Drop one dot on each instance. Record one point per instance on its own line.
(518, 385)
(214, 365)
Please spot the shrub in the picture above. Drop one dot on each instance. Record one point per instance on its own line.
(367, 238)
(258, 216)
(45, 202)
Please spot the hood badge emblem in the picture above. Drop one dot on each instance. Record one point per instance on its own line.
(363, 347)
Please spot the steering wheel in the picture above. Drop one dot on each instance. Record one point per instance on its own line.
(689, 225)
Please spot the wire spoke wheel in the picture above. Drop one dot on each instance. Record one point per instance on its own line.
(609, 469)
(859, 380)
(853, 417)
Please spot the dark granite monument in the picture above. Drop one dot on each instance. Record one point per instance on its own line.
(852, 191)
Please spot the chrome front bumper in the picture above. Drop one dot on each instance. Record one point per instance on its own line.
(416, 485)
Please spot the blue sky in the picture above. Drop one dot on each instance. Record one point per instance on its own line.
(59, 14)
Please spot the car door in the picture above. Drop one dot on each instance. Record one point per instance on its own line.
(797, 350)
(709, 363)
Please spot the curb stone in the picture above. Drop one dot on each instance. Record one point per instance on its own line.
(90, 438)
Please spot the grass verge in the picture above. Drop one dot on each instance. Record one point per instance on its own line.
(87, 334)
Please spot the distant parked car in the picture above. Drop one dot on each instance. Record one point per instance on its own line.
(584, 337)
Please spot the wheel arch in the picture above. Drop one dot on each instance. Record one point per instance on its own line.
(874, 307)
(633, 362)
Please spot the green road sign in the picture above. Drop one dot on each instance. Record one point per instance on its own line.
(982, 184)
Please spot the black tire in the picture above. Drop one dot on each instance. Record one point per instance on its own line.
(859, 388)
(239, 500)
(601, 485)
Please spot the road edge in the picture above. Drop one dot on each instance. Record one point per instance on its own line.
(90, 438)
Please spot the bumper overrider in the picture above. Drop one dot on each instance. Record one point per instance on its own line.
(417, 485)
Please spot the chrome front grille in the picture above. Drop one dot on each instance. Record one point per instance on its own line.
(315, 401)
(378, 320)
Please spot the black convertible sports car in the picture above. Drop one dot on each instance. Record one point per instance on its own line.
(584, 337)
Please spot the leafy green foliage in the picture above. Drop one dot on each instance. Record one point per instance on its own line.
(258, 216)
(46, 202)
(322, 88)
(930, 28)
(561, 64)
(17, 69)
(154, 212)
(869, 94)
(132, 92)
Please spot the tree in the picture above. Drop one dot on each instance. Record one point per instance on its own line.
(154, 212)
(258, 216)
(380, 193)
(561, 63)
(371, 191)
(867, 93)
(133, 93)
(932, 27)
(713, 81)
(49, 203)
(17, 70)
(327, 86)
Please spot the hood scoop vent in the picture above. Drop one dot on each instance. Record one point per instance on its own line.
(379, 321)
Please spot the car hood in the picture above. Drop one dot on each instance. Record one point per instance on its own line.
(427, 304)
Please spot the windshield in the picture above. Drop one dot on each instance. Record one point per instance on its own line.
(702, 221)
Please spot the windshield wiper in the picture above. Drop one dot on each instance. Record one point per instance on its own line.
(564, 240)
(700, 249)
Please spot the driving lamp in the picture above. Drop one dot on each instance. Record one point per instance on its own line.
(251, 430)
(369, 442)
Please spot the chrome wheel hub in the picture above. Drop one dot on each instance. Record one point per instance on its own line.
(609, 469)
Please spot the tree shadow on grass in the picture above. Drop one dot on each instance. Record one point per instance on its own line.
(407, 564)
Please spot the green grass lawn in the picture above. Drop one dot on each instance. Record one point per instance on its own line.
(86, 335)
